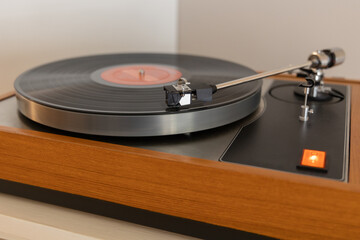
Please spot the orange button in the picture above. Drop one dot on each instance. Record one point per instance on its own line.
(313, 158)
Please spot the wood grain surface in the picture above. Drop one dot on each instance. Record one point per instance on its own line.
(261, 201)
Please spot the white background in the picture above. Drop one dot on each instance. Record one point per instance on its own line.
(268, 34)
(261, 34)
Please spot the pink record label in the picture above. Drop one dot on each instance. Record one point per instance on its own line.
(141, 75)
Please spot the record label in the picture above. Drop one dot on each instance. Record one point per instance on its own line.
(141, 75)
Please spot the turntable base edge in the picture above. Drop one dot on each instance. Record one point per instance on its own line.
(223, 194)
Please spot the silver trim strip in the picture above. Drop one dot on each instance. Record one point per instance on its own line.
(347, 135)
(138, 125)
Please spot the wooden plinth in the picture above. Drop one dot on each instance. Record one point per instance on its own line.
(261, 201)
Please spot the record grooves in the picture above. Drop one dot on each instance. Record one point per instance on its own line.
(74, 95)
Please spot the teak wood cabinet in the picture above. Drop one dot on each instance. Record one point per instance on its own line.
(261, 201)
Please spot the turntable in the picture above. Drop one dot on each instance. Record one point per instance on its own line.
(177, 133)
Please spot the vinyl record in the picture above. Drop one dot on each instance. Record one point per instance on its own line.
(123, 95)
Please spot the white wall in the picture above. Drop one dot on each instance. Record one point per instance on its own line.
(38, 31)
(267, 34)
(262, 34)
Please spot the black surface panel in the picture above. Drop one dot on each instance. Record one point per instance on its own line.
(277, 139)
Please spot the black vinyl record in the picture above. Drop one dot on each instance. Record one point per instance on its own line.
(89, 90)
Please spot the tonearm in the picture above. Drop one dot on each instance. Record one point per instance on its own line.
(182, 93)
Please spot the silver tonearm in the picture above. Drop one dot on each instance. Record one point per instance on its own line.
(182, 94)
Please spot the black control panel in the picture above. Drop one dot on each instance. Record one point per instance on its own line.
(279, 140)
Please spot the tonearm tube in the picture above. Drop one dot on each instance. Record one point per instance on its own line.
(182, 93)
